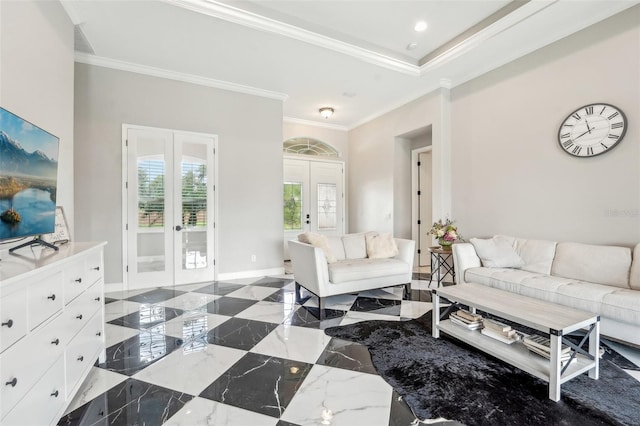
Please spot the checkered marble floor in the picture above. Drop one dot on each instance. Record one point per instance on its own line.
(241, 353)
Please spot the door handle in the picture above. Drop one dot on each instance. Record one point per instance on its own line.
(178, 228)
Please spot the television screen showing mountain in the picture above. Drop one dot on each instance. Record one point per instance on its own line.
(28, 175)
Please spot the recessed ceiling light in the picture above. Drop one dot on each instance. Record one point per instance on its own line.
(420, 26)
(412, 46)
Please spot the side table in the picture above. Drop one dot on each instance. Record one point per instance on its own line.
(440, 267)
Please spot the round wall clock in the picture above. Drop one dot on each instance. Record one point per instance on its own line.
(592, 130)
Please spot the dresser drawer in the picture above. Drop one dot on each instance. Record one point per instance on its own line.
(24, 364)
(13, 316)
(75, 281)
(93, 267)
(45, 401)
(81, 309)
(83, 351)
(45, 298)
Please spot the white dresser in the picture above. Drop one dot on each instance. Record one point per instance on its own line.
(52, 315)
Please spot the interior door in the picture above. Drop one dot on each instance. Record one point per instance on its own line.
(169, 208)
(313, 198)
(425, 206)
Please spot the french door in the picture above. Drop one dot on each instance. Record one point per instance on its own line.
(313, 198)
(170, 183)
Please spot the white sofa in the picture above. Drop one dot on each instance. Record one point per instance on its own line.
(599, 279)
(351, 270)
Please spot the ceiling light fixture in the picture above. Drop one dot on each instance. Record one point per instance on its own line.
(412, 45)
(326, 112)
(420, 26)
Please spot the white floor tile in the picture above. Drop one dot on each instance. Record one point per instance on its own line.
(410, 309)
(97, 382)
(268, 312)
(253, 292)
(392, 293)
(189, 301)
(340, 398)
(124, 294)
(116, 334)
(295, 343)
(204, 412)
(353, 317)
(192, 368)
(342, 302)
(119, 309)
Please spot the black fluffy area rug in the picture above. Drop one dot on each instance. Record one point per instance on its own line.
(445, 378)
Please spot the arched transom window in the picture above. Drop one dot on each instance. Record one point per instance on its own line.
(309, 146)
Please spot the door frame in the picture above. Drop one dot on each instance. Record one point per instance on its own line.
(124, 189)
(415, 205)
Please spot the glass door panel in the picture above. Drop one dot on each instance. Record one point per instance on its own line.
(149, 244)
(194, 207)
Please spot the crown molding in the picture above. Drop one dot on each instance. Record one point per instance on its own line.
(293, 120)
(100, 61)
(262, 23)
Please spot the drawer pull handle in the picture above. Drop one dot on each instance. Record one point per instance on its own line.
(13, 382)
(97, 299)
(79, 317)
(97, 268)
(52, 297)
(78, 280)
(80, 358)
(55, 394)
(8, 323)
(99, 333)
(55, 342)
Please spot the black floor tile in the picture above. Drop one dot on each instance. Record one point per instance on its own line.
(132, 402)
(377, 306)
(137, 352)
(240, 333)
(229, 305)
(259, 383)
(156, 296)
(148, 316)
(347, 355)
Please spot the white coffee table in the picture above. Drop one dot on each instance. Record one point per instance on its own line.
(555, 320)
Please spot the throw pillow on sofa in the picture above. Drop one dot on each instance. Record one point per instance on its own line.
(381, 246)
(496, 253)
(320, 241)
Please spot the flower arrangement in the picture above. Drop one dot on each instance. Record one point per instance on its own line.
(446, 232)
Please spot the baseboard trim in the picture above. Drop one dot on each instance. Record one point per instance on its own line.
(250, 274)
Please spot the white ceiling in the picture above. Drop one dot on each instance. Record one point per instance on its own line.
(350, 55)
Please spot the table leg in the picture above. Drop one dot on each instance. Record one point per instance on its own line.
(554, 369)
(435, 312)
(594, 350)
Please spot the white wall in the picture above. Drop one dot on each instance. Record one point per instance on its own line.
(36, 78)
(509, 174)
(378, 157)
(249, 130)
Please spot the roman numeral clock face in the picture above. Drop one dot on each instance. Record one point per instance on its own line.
(592, 130)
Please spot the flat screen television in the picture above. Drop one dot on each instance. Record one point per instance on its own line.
(28, 180)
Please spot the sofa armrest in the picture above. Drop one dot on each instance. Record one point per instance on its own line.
(464, 257)
(310, 267)
(407, 249)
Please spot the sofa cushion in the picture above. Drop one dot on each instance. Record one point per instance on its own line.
(362, 269)
(543, 287)
(355, 246)
(320, 241)
(597, 264)
(496, 253)
(501, 278)
(584, 295)
(335, 242)
(380, 246)
(536, 254)
(634, 276)
(622, 305)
